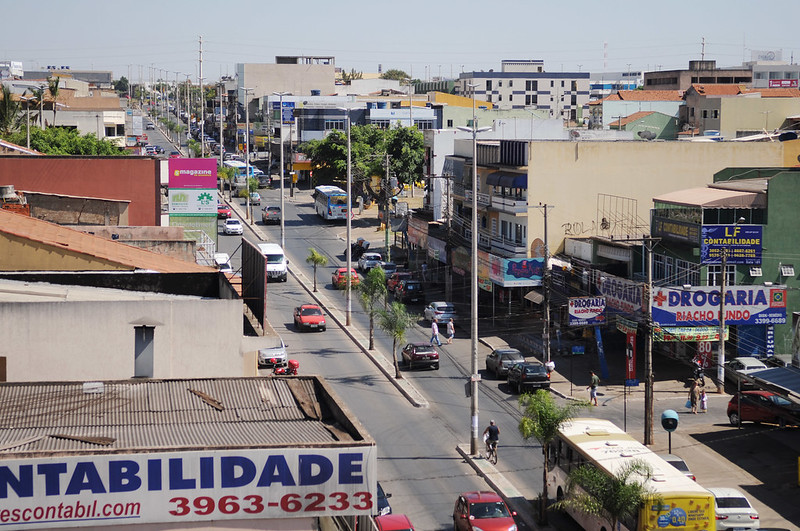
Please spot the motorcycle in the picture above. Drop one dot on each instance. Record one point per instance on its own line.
(291, 369)
(698, 373)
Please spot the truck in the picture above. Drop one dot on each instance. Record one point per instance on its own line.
(276, 262)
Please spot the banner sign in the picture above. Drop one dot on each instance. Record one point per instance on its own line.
(587, 311)
(176, 488)
(705, 354)
(630, 356)
(621, 294)
(515, 272)
(741, 243)
(679, 231)
(626, 326)
(193, 173)
(699, 306)
(192, 202)
(688, 333)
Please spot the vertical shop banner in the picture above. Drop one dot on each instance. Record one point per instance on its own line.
(630, 356)
(705, 355)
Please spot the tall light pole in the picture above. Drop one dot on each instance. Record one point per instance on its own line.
(177, 111)
(283, 226)
(247, 155)
(221, 124)
(475, 377)
(348, 249)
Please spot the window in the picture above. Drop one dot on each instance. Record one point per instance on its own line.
(562, 83)
(120, 129)
(500, 97)
(331, 125)
(552, 83)
(714, 275)
(449, 123)
(510, 83)
(488, 85)
(518, 234)
(532, 85)
(705, 113)
(143, 351)
(499, 84)
(505, 229)
(527, 99)
(687, 273)
(494, 226)
(715, 113)
(663, 268)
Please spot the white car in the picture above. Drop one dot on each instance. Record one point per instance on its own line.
(743, 365)
(441, 311)
(733, 509)
(233, 226)
(368, 261)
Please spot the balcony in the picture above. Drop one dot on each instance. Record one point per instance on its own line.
(509, 248)
(508, 204)
(483, 199)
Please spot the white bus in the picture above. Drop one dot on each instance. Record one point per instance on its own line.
(331, 202)
(679, 504)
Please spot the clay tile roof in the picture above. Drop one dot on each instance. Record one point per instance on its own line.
(632, 118)
(117, 255)
(650, 95)
(775, 92)
(717, 89)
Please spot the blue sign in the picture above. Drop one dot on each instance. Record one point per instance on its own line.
(741, 243)
(699, 306)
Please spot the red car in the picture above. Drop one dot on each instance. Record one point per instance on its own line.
(223, 212)
(339, 278)
(394, 522)
(483, 510)
(420, 355)
(309, 317)
(395, 278)
(763, 406)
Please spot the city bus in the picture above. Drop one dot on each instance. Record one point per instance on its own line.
(330, 202)
(677, 504)
(240, 171)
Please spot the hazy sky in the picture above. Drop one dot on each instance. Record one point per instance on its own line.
(424, 38)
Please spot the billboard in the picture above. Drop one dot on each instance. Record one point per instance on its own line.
(193, 173)
(585, 311)
(192, 202)
(699, 306)
(621, 294)
(741, 243)
(509, 272)
(182, 487)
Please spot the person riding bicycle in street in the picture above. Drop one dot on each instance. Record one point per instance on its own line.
(492, 435)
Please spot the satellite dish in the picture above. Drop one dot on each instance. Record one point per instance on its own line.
(646, 135)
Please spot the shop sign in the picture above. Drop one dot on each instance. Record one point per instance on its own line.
(585, 311)
(687, 333)
(621, 294)
(699, 306)
(741, 244)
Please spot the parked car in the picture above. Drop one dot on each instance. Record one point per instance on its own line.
(339, 278)
(150, 126)
(532, 374)
(368, 261)
(441, 311)
(733, 509)
(679, 464)
(420, 355)
(762, 406)
(255, 198)
(309, 317)
(394, 522)
(233, 226)
(484, 510)
(743, 365)
(396, 278)
(383, 501)
(409, 291)
(388, 268)
(271, 214)
(499, 361)
(223, 212)
(273, 354)
(174, 154)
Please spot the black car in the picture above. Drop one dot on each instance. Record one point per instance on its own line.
(409, 291)
(532, 375)
(383, 501)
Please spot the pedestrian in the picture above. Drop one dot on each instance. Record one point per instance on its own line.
(435, 333)
(703, 401)
(694, 395)
(451, 331)
(593, 388)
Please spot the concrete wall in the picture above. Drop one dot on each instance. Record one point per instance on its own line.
(571, 175)
(69, 210)
(94, 340)
(300, 80)
(755, 114)
(23, 254)
(134, 179)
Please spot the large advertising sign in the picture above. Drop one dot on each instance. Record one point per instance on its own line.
(699, 306)
(192, 202)
(179, 487)
(516, 272)
(741, 244)
(192, 173)
(585, 311)
(621, 294)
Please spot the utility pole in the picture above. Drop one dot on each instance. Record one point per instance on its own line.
(546, 286)
(386, 214)
(721, 349)
(202, 114)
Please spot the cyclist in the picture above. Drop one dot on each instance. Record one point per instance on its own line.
(492, 435)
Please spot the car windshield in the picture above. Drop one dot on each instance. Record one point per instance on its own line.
(488, 510)
(679, 464)
(410, 286)
(732, 503)
(310, 311)
(274, 258)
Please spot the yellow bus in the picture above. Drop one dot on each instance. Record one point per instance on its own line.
(678, 504)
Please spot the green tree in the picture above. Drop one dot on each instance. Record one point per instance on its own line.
(541, 419)
(63, 141)
(347, 78)
(406, 153)
(371, 291)
(10, 116)
(614, 498)
(396, 74)
(121, 85)
(316, 259)
(52, 86)
(395, 321)
(225, 175)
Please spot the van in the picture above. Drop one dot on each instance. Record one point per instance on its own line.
(277, 263)
(223, 262)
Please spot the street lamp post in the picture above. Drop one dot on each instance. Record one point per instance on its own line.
(247, 154)
(348, 249)
(283, 226)
(475, 377)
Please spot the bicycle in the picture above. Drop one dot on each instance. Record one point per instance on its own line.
(491, 452)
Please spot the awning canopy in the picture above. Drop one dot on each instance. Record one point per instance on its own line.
(534, 296)
(714, 198)
(507, 180)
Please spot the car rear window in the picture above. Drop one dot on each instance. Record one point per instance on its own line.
(411, 286)
(732, 503)
(535, 369)
(425, 350)
(447, 308)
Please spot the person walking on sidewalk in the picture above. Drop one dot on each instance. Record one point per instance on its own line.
(703, 401)
(694, 395)
(435, 333)
(593, 388)
(451, 331)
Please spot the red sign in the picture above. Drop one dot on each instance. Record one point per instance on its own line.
(630, 356)
(704, 354)
(782, 83)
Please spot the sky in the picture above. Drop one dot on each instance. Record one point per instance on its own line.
(424, 38)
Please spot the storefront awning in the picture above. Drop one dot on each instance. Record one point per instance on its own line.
(714, 198)
(507, 180)
(534, 296)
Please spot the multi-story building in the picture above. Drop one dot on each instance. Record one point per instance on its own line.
(698, 72)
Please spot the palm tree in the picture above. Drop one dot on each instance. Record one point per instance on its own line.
(38, 93)
(10, 117)
(372, 290)
(52, 86)
(541, 419)
(615, 497)
(395, 321)
(316, 259)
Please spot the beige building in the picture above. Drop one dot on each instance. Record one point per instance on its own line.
(299, 77)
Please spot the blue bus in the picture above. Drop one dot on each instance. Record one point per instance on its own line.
(330, 202)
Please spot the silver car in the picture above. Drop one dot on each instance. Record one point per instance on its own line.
(273, 354)
(441, 311)
(499, 361)
(368, 261)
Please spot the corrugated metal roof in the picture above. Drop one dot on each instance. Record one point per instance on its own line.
(166, 415)
(714, 198)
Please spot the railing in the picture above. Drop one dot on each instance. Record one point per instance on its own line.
(508, 204)
(483, 199)
(509, 248)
